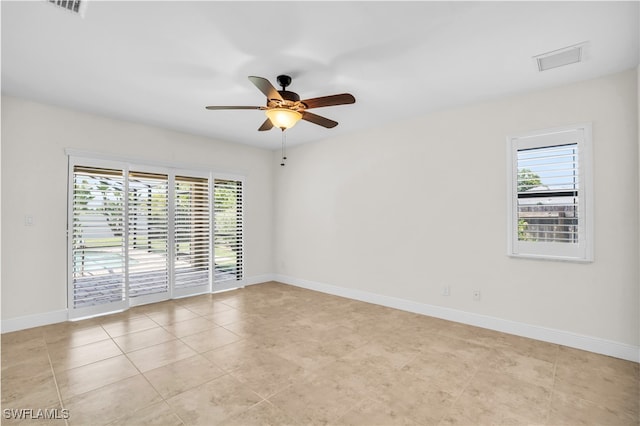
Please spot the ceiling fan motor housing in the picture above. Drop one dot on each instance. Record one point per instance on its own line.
(289, 96)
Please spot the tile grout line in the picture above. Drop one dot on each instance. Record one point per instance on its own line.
(457, 398)
(553, 385)
(55, 380)
(104, 385)
(146, 379)
(164, 400)
(549, 411)
(112, 338)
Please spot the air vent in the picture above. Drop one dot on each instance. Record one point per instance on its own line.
(561, 57)
(75, 6)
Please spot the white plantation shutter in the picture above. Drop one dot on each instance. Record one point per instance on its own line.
(139, 234)
(192, 232)
(548, 211)
(148, 233)
(228, 230)
(551, 191)
(71, 5)
(97, 229)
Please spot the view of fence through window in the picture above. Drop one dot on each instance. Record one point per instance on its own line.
(548, 194)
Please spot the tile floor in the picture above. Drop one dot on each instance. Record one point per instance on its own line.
(273, 354)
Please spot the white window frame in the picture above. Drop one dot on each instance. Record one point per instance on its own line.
(583, 250)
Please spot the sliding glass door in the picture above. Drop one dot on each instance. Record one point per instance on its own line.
(141, 234)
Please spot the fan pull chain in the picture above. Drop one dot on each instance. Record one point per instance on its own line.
(284, 152)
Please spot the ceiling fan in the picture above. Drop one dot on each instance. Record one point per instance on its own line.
(284, 108)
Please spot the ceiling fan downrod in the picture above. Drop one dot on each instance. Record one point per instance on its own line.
(284, 153)
(284, 81)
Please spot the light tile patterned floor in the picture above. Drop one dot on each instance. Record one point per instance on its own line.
(280, 355)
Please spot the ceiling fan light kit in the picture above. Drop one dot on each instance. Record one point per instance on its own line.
(283, 118)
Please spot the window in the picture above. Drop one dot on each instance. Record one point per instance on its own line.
(551, 194)
(148, 216)
(141, 234)
(97, 238)
(228, 241)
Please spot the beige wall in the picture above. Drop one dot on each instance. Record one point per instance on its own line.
(34, 182)
(403, 210)
(397, 211)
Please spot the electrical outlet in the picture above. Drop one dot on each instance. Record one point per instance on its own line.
(476, 294)
(446, 290)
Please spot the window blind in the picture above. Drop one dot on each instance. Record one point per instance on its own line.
(228, 230)
(192, 232)
(548, 194)
(148, 234)
(97, 237)
(141, 234)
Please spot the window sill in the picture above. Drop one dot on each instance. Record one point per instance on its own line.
(549, 257)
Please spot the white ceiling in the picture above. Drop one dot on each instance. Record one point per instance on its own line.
(161, 62)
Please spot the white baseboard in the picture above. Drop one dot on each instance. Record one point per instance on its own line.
(36, 320)
(560, 337)
(259, 279)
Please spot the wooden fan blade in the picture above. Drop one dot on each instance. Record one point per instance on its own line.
(267, 125)
(324, 101)
(319, 120)
(266, 87)
(233, 107)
